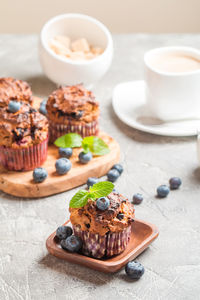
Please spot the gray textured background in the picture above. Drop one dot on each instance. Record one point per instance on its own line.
(172, 262)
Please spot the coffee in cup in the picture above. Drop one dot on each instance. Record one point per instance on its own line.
(172, 77)
(174, 62)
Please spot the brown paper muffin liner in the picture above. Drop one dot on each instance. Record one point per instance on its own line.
(98, 246)
(57, 130)
(24, 159)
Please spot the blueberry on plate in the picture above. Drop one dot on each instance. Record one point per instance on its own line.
(162, 191)
(91, 181)
(84, 158)
(63, 232)
(72, 243)
(134, 269)
(103, 203)
(63, 165)
(14, 106)
(39, 174)
(118, 167)
(65, 152)
(137, 198)
(113, 175)
(175, 183)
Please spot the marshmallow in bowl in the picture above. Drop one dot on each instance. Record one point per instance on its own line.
(78, 49)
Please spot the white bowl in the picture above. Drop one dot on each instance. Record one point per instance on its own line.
(64, 71)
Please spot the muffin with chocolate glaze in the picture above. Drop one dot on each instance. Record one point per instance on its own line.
(72, 109)
(23, 138)
(103, 233)
(14, 89)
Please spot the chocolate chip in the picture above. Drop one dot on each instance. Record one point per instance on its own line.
(18, 134)
(77, 115)
(120, 216)
(31, 110)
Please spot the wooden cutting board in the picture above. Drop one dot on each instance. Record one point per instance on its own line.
(21, 184)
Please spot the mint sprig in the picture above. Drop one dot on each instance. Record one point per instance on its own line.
(93, 144)
(100, 189)
(70, 140)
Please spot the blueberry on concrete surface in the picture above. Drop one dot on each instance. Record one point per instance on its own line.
(113, 175)
(39, 174)
(134, 269)
(175, 183)
(162, 191)
(91, 181)
(118, 167)
(137, 198)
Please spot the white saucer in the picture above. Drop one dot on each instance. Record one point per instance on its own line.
(129, 105)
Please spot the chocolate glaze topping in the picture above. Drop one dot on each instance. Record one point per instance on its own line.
(119, 215)
(23, 128)
(13, 89)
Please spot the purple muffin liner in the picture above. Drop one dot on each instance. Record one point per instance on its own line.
(57, 130)
(24, 159)
(98, 246)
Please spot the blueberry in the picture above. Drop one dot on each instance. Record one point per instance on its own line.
(103, 203)
(65, 152)
(137, 198)
(63, 165)
(14, 106)
(175, 183)
(44, 102)
(91, 181)
(39, 174)
(112, 175)
(63, 232)
(120, 216)
(118, 167)
(85, 157)
(72, 243)
(134, 269)
(43, 109)
(162, 191)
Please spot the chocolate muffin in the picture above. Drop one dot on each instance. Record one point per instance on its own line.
(103, 233)
(14, 89)
(72, 109)
(23, 138)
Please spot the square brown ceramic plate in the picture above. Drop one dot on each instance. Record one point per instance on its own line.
(142, 235)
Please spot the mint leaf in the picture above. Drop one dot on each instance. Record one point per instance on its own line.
(91, 196)
(85, 147)
(71, 140)
(101, 189)
(95, 145)
(79, 199)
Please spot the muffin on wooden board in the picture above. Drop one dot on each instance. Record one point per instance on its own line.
(14, 89)
(72, 109)
(103, 233)
(23, 138)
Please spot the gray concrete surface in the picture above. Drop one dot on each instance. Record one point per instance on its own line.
(172, 262)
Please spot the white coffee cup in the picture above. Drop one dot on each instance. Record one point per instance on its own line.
(172, 95)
